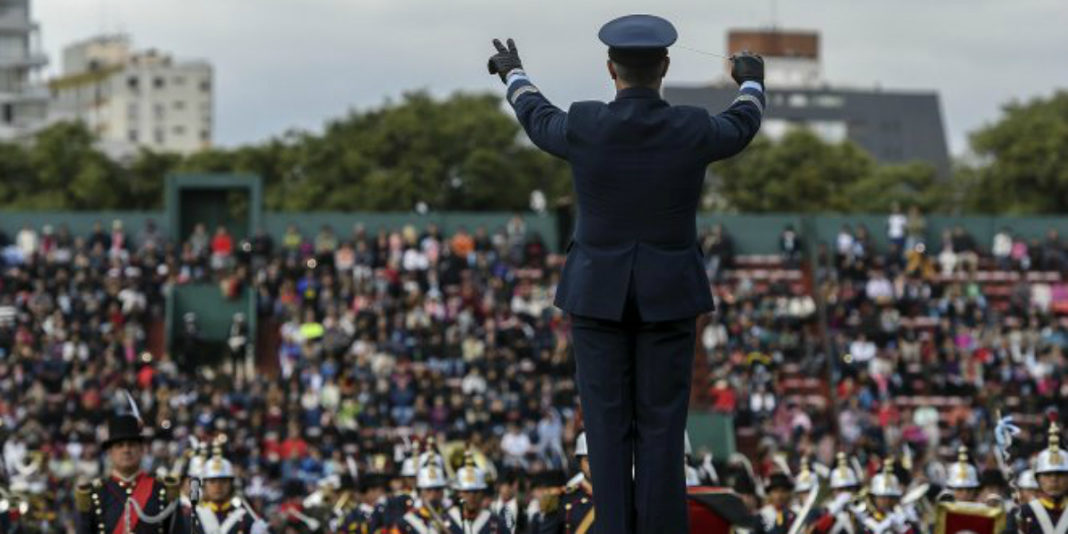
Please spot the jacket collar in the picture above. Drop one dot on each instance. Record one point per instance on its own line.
(638, 92)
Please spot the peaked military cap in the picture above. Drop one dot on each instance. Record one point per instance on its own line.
(638, 31)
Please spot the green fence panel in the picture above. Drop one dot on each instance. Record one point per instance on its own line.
(343, 223)
(80, 223)
(713, 431)
(752, 234)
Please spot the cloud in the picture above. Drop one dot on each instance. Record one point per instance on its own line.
(296, 63)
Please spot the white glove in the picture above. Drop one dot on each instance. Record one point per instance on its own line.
(839, 503)
(899, 522)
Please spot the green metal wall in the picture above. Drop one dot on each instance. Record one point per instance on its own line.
(752, 234)
(343, 223)
(712, 431)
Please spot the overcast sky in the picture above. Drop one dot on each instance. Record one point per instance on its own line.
(281, 64)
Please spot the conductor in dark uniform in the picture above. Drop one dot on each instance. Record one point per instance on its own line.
(634, 281)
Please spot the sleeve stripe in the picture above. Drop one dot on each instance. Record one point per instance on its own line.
(516, 75)
(526, 88)
(752, 85)
(752, 99)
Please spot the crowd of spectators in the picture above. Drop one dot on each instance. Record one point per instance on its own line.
(387, 333)
(926, 338)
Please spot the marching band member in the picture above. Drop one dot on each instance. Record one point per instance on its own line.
(836, 518)
(884, 514)
(428, 516)
(1046, 513)
(469, 516)
(507, 504)
(777, 515)
(570, 511)
(221, 511)
(962, 479)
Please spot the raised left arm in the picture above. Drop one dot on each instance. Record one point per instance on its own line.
(544, 123)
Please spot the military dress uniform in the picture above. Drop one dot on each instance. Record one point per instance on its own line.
(230, 516)
(425, 517)
(1044, 516)
(105, 507)
(141, 504)
(1047, 514)
(1024, 481)
(572, 512)
(470, 478)
(634, 281)
(894, 521)
(835, 517)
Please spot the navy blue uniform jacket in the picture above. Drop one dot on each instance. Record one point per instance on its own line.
(638, 165)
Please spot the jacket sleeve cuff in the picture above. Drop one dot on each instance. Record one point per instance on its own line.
(752, 85)
(518, 85)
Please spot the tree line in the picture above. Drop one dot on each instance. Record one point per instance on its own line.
(466, 152)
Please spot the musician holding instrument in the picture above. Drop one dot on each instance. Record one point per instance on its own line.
(570, 510)
(428, 516)
(882, 513)
(835, 517)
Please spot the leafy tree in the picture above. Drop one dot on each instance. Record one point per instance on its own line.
(1025, 164)
(802, 173)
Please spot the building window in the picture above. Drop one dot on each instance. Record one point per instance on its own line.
(132, 135)
(131, 111)
(798, 100)
(178, 80)
(179, 105)
(159, 136)
(159, 110)
(205, 135)
(205, 85)
(829, 101)
(132, 83)
(178, 130)
(158, 82)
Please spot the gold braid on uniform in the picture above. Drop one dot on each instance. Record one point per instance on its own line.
(550, 502)
(83, 497)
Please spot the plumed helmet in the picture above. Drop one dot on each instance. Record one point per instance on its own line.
(470, 477)
(430, 454)
(962, 475)
(806, 478)
(1053, 459)
(1027, 480)
(843, 477)
(217, 467)
(431, 474)
(886, 484)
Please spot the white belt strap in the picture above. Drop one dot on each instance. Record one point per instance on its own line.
(1044, 520)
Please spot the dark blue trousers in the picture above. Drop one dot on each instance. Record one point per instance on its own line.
(634, 385)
